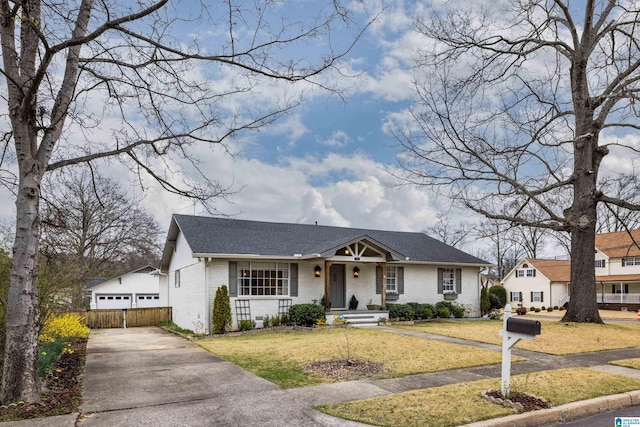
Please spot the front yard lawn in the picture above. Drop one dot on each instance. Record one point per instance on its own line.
(281, 356)
(459, 404)
(557, 338)
(627, 363)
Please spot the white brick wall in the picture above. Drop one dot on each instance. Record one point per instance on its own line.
(193, 300)
(189, 300)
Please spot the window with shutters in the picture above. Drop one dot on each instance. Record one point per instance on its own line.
(536, 297)
(448, 280)
(263, 278)
(391, 282)
(515, 296)
(600, 263)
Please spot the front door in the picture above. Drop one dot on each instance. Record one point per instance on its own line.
(336, 286)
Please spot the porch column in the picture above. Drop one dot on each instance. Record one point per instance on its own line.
(621, 293)
(383, 285)
(327, 297)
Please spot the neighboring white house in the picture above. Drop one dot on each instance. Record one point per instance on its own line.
(617, 267)
(269, 266)
(139, 288)
(538, 283)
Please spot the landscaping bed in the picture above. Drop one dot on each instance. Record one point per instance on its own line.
(63, 382)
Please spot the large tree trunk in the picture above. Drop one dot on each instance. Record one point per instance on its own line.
(20, 380)
(583, 306)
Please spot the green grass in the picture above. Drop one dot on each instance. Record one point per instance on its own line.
(281, 356)
(459, 404)
(556, 338)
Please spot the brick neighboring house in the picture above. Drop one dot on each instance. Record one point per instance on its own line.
(269, 266)
(617, 269)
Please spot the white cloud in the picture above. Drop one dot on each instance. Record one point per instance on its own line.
(337, 139)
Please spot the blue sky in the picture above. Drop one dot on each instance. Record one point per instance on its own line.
(326, 160)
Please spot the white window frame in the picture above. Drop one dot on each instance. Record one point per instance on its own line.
(391, 282)
(263, 279)
(599, 263)
(524, 272)
(448, 280)
(632, 260)
(515, 297)
(536, 296)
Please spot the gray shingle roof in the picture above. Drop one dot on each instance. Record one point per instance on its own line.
(209, 235)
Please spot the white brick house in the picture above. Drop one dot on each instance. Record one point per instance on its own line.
(269, 266)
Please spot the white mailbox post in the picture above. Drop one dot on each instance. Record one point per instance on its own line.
(513, 330)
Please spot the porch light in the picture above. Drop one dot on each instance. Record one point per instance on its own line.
(356, 272)
(317, 270)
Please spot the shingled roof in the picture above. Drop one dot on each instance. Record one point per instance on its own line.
(619, 244)
(210, 236)
(556, 270)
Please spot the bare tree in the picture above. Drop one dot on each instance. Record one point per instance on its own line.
(511, 112)
(443, 230)
(90, 228)
(613, 217)
(503, 248)
(532, 240)
(138, 71)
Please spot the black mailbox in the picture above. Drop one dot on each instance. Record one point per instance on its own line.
(523, 326)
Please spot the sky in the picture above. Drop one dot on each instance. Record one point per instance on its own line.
(328, 160)
(325, 161)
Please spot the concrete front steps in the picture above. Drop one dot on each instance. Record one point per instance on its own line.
(359, 317)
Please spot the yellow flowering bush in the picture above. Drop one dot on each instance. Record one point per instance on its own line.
(66, 327)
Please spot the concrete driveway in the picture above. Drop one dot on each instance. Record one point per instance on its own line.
(150, 377)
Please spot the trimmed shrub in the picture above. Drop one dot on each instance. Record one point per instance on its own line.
(284, 319)
(306, 314)
(266, 322)
(458, 311)
(401, 311)
(532, 308)
(497, 297)
(246, 325)
(485, 303)
(440, 305)
(443, 313)
(549, 309)
(67, 327)
(426, 311)
(221, 312)
(537, 310)
(543, 308)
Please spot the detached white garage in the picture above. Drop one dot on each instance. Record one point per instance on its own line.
(136, 289)
(144, 301)
(113, 301)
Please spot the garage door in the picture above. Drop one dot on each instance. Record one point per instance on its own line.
(152, 300)
(113, 301)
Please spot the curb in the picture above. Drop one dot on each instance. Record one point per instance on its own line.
(568, 412)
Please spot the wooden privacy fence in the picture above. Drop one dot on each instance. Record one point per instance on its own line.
(120, 318)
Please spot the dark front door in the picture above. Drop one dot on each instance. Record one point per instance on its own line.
(336, 286)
